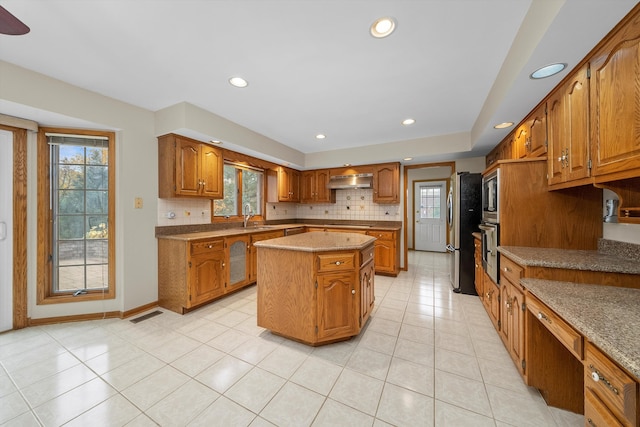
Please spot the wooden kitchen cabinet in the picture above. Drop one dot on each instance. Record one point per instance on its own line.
(611, 394)
(313, 187)
(314, 297)
(238, 260)
(568, 125)
(479, 270)
(386, 183)
(189, 168)
(387, 251)
(512, 311)
(491, 300)
(190, 273)
(288, 185)
(615, 111)
(367, 277)
(253, 251)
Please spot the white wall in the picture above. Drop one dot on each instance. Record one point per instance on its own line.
(136, 176)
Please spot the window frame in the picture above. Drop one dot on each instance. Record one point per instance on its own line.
(239, 216)
(45, 294)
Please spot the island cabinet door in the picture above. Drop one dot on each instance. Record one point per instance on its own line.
(337, 305)
(366, 292)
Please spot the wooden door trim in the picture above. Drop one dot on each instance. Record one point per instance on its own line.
(20, 319)
(405, 177)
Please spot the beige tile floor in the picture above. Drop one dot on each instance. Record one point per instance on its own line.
(428, 357)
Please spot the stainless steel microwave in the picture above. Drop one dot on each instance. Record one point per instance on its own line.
(491, 197)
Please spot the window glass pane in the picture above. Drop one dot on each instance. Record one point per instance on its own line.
(97, 227)
(70, 227)
(70, 177)
(71, 278)
(97, 202)
(97, 177)
(97, 276)
(97, 251)
(70, 201)
(252, 190)
(430, 202)
(70, 252)
(228, 205)
(97, 155)
(70, 154)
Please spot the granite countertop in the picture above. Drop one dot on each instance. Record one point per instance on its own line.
(607, 316)
(318, 241)
(571, 259)
(211, 234)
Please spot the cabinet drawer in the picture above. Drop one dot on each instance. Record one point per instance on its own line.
(336, 262)
(510, 270)
(568, 336)
(381, 235)
(366, 255)
(206, 246)
(614, 387)
(596, 413)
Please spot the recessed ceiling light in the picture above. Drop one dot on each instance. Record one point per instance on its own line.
(548, 70)
(347, 164)
(406, 159)
(383, 27)
(320, 136)
(408, 122)
(503, 125)
(238, 82)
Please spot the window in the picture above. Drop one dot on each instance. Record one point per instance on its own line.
(242, 185)
(430, 202)
(76, 215)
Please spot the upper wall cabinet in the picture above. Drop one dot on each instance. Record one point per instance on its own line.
(313, 187)
(288, 185)
(386, 183)
(530, 139)
(568, 126)
(189, 168)
(615, 104)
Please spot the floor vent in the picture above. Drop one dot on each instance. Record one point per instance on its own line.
(146, 316)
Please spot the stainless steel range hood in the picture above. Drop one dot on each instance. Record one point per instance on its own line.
(361, 180)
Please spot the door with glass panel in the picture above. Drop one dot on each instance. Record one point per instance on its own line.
(429, 216)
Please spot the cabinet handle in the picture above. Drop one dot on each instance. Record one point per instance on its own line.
(507, 270)
(223, 265)
(209, 246)
(353, 291)
(509, 304)
(542, 316)
(597, 376)
(337, 263)
(591, 423)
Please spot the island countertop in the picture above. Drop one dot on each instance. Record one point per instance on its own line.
(607, 316)
(318, 241)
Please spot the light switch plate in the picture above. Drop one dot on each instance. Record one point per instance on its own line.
(137, 203)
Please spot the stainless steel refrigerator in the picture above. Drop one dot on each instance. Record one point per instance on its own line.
(464, 209)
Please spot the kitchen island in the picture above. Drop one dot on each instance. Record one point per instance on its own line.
(316, 287)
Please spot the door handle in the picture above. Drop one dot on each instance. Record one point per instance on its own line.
(3, 230)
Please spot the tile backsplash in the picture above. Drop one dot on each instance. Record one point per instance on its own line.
(183, 211)
(352, 205)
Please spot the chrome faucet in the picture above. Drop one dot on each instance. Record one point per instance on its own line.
(247, 214)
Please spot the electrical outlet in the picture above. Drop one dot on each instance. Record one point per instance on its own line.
(137, 203)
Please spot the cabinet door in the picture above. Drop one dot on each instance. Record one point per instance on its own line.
(253, 251)
(385, 256)
(337, 305)
(294, 185)
(516, 326)
(238, 261)
(537, 139)
(478, 268)
(520, 143)
(323, 194)
(386, 183)
(615, 110)
(206, 277)
(308, 187)
(284, 178)
(211, 171)
(556, 151)
(366, 292)
(577, 123)
(506, 148)
(187, 167)
(505, 312)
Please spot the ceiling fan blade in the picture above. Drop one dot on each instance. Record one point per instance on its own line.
(11, 25)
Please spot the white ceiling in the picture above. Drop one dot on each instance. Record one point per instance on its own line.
(455, 66)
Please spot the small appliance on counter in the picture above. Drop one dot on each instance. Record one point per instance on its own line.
(612, 211)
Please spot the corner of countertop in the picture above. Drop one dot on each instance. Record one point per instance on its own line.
(617, 248)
